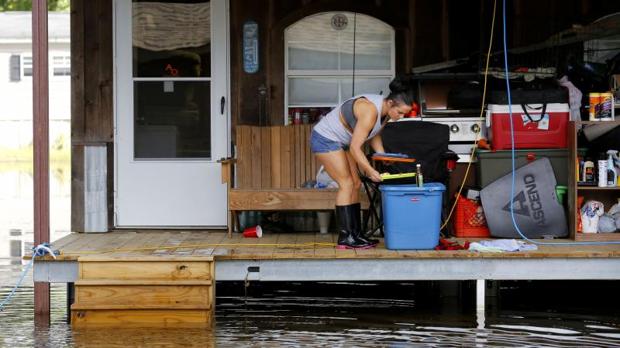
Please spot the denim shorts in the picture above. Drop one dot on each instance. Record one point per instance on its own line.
(320, 144)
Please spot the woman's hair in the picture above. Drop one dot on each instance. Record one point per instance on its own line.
(401, 91)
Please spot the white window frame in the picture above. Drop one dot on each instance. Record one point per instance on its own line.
(52, 65)
(65, 62)
(337, 74)
(23, 66)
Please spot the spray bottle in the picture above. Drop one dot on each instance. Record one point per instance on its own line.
(613, 168)
(602, 170)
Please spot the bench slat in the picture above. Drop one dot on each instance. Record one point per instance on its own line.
(285, 199)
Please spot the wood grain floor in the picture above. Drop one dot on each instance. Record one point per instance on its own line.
(196, 244)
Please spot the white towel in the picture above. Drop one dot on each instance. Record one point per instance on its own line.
(501, 245)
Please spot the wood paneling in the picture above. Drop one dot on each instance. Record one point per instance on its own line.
(77, 188)
(91, 95)
(274, 157)
(91, 69)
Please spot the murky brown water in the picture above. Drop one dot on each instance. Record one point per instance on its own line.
(341, 315)
(537, 314)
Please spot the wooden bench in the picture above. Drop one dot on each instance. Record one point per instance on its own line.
(272, 165)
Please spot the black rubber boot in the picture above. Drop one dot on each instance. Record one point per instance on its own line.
(346, 236)
(357, 210)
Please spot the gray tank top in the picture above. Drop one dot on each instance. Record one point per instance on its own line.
(332, 127)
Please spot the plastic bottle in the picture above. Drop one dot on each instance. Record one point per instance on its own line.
(420, 178)
(612, 174)
(616, 159)
(588, 171)
(602, 171)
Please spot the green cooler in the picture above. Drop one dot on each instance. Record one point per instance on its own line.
(492, 165)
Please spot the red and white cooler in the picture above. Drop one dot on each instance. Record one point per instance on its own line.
(536, 126)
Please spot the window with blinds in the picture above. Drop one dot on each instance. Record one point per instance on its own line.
(332, 56)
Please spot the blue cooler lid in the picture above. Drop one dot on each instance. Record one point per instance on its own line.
(428, 187)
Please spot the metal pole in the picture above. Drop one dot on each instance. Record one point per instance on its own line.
(40, 122)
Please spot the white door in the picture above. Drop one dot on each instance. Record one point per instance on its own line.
(171, 114)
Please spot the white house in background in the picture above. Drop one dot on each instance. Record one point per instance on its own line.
(16, 126)
(16, 78)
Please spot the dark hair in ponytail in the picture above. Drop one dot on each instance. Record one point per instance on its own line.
(401, 91)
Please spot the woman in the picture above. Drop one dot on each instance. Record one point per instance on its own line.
(337, 143)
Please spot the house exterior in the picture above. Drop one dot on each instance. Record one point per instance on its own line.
(16, 135)
(158, 87)
(16, 78)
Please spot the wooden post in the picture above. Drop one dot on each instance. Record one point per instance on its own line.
(40, 123)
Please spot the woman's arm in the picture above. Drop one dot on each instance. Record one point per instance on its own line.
(377, 143)
(366, 114)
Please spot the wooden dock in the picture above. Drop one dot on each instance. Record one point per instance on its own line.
(293, 257)
(299, 246)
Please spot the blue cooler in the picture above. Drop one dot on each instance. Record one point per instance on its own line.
(412, 215)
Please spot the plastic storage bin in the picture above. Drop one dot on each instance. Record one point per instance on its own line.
(538, 131)
(492, 165)
(411, 215)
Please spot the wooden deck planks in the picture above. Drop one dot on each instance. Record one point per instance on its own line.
(284, 250)
(324, 251)
(208, 244)
(307, 248)
(202, 243)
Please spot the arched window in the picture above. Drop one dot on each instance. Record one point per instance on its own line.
(332, 56)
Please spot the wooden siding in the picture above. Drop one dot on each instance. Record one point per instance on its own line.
(274, 157)
(92, 118)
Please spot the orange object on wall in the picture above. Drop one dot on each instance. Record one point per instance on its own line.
(415, 111)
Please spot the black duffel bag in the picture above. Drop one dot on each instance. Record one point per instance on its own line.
(540, 91)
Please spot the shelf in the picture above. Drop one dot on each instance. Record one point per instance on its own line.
(596, 188)
(598, 122)
(597, 237)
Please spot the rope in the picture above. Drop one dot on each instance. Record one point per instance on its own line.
(480, 119)
(353, 67)
(38, 251)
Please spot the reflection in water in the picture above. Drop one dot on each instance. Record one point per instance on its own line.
(306, 314)
(309, 315)
(16, 205)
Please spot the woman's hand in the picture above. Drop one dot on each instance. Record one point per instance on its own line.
(374, 175)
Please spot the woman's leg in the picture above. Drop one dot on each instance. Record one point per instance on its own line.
(355, 198)
(337, 166)
(357, 182)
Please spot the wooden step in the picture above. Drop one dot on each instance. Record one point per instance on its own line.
(144, 296)
(94, 282)
(177, 318)
(148, 270)
(143, 292)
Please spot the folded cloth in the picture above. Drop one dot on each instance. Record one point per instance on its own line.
(501, 245)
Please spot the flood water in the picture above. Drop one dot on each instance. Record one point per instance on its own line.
(535, 314)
